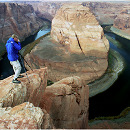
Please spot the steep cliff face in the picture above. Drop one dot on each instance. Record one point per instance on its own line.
(19, 102)
(67, 103)
(46, 10)
(14, 94)
(18, 19)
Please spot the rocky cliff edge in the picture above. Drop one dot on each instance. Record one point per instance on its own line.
(35, 105)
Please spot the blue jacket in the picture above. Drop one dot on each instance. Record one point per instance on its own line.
(12, 48)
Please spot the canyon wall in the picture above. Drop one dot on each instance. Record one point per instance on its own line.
(105, 12)
(19, 102)
(18, 19)
(46, 10)
(122, 24)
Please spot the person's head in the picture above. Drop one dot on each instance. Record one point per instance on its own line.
(15, 37)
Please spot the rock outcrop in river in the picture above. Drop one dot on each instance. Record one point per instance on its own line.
(76, 27)
(18, 19)
(77, 46)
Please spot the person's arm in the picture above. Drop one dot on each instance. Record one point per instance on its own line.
(17, 45)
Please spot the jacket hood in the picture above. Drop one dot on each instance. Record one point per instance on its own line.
(10, 40)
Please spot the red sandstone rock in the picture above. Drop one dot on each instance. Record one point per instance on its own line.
(61, 63)
(24, 116)
(46, 10)
(14, 94)
(67, 103)
(66, 58)
(77, 28)
(18, 19)
(105, 12)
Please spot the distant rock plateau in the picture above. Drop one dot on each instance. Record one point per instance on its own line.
(122, 24)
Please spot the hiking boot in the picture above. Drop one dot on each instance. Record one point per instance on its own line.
(20, 76)
(16, 81)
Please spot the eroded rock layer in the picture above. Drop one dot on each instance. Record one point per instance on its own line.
(76, 27)
(122, 24)
(14, 94)
(61, 63)
(67, 103)
(18, 19)
(77, 46)
(24, 116)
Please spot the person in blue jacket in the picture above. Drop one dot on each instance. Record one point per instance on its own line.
(13, 46)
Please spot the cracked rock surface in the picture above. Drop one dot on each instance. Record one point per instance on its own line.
(76, 47)
(67, 103)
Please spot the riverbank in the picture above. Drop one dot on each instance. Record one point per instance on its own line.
(116, 43)
(121, 121)
(116, 66)
(120, 33)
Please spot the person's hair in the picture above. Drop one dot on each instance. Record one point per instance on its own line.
(13, 36)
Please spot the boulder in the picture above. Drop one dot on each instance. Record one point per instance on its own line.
(67, 103)
(24, 116)
(14, 94)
